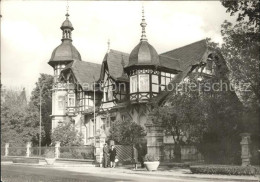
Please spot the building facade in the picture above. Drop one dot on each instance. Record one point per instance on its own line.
(92, 95)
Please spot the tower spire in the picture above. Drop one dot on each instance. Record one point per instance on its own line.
(143, 25)
(66, 26)
(67, 14)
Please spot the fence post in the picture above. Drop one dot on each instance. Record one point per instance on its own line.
(100, 141)
(57, 149)
(28, 149)
(245, 149)
(6, 149)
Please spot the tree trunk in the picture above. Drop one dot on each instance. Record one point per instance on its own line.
(177, 152)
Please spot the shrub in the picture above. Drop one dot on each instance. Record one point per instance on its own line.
(151, 158)
(67, 155)
(28, 160)
(222, 169)
(49, 154)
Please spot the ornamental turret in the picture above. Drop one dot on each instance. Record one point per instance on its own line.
(142, 69)
(65, 52)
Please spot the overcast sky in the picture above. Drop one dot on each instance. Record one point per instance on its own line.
(31, 30)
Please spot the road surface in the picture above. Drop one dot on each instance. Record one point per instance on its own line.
(17, 173)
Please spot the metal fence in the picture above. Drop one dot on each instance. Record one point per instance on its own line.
(86, 152)
(2, 150)
(17, 151)
(40, 151)
(124, 153)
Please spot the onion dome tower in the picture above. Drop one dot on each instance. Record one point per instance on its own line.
(142, 69)
(65, 52)
(61, 56)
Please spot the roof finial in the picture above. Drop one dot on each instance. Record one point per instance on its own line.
(108, 46)
(67, 14)
(143, 25)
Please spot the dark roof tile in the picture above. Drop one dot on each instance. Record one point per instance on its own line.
(116, 61)
(188, 55)
(85, 72)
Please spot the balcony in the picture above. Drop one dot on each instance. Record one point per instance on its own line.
(72, 111)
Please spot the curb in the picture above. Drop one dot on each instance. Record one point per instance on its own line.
(229, 178)
(52, 166)
(190, 176)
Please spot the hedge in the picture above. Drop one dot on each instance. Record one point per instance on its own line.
(222, 169)
(31, 161)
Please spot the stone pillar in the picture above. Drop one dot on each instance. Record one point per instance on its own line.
(6, 149)
(28, 149)
(100, 141)
(245, 149)
(57, 149)
(155, 134)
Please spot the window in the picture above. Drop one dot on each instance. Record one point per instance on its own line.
(108, 90)
(61, 102)
(210, 67)
(71, 100)
(103, 123)
(155, 86)
(108, 122)
(87, 135)
(165, 79)
(112, 119)
(133, 84)
(144, 83)
(80, 105)
(110, 93)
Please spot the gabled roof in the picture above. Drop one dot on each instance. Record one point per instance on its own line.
(116, 61)
(84, 72)
(188, 55)
(169, 63)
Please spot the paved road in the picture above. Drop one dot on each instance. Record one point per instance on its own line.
(13, 173)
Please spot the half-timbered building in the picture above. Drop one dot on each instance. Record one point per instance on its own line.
(93, 95)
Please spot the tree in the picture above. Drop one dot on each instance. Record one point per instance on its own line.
(67, 135)
(16, 126)
(247, 10)
(126, 132)
(204, 112)
(45, 82)
(183, 117)
(241, 51)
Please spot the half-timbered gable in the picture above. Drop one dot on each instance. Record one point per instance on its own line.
(80, 78)
(113, 78)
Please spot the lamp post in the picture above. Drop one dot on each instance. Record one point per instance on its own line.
(94, 103)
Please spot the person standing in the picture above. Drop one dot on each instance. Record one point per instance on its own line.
(141, 155)
(135, 151)
(112, 153)
(105, 155)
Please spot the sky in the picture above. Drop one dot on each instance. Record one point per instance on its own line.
(30, 31)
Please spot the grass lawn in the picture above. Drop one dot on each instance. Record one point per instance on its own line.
(9, 176)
